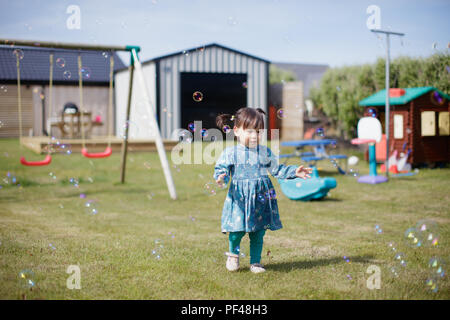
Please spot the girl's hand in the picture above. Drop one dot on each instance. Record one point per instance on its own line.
(303, 173)
(220, 179)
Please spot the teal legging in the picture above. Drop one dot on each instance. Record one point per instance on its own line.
(256, 244)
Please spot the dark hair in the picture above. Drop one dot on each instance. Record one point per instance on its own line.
(248, 118)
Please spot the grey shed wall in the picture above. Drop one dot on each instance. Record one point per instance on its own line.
(211, 59)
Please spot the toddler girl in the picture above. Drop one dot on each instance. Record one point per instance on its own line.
(250, 205)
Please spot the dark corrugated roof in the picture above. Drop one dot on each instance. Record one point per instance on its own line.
(35, 65)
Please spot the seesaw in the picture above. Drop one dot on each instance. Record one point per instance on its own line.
(310, 189)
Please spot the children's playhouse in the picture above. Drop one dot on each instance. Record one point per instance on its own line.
(418, 123)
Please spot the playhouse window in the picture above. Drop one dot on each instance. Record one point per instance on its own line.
(444, 125)
(428, 123)
(398, 126)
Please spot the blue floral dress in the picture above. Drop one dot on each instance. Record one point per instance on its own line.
(251, 203)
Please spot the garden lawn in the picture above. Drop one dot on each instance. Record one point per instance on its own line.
(143, 245)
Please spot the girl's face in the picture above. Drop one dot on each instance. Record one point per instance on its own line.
(248, 137)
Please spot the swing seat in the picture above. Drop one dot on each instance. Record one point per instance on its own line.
(44, 162)
(104, 154)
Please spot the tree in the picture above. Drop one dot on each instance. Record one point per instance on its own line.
(278, 75)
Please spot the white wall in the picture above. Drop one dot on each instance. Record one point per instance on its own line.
(139, 115)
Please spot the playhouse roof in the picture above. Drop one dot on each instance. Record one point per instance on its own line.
(379, 98)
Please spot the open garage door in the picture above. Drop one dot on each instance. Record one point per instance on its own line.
(222, 93)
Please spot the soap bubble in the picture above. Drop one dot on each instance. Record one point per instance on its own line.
(261, 198)
(62, 148)
(131, 126)
(210, 189)
(86, 72)
(280, 113)
(74, 182)
(244, 85)
(26, 279)
(391, 246)
(204, 132)
(437, 265)
(272, 194)
(372, 112)
(105, 55)
(155, 252)
(432, 284)
(3, 88)
(191, 127)
(353, 172)
(320, 132)
(183, 135)
(378, 229)
(61, 62)
(197, 96)
(427, 232)
(226, 128)
(90, 207)
(232, 21)
(67, 74)
(10, 178)
(412, 238)
(400, 258)
(394, 272)
(436, 98)
(18, 53)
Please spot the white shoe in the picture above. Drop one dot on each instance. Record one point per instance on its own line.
(257, 268)
(232, 261)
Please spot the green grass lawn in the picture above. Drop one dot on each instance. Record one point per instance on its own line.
(45, 228)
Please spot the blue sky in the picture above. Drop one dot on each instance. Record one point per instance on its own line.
(320, 31)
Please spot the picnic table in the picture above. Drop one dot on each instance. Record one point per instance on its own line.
(318, 153)
(70, 124)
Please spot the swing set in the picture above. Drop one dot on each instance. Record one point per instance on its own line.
(134, 64)
(84, 151)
